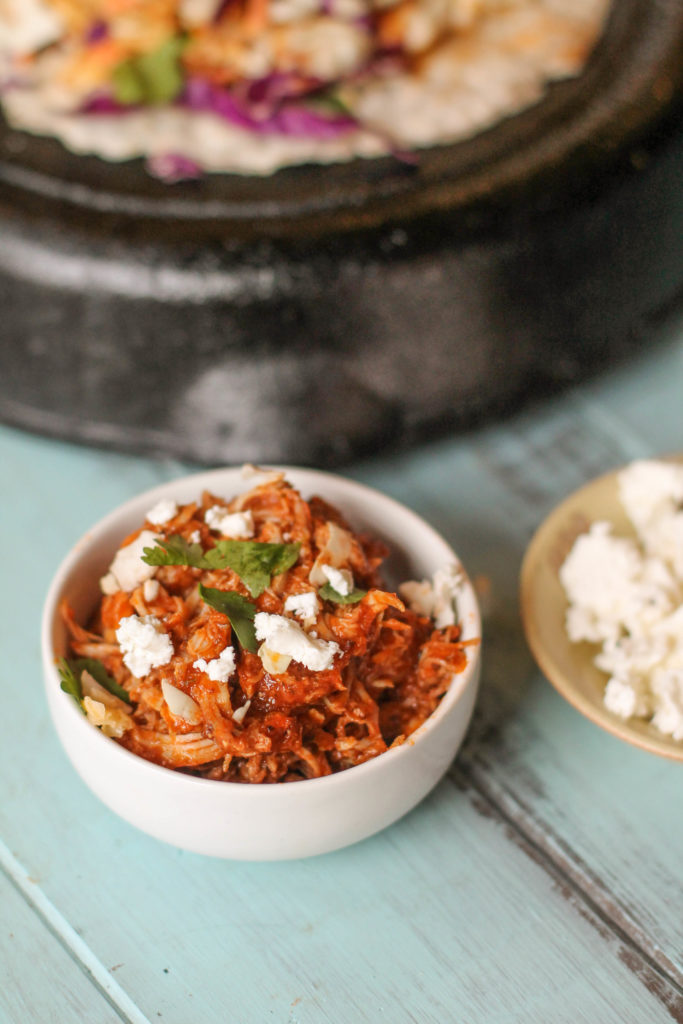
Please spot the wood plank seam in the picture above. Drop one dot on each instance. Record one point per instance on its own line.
(69, 939)
(634, 446)
(576, 883)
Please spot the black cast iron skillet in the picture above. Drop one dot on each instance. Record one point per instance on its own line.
(326, 311)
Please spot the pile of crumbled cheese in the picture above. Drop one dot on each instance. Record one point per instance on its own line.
(627, 595)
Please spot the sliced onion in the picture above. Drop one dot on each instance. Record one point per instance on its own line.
(91, 688)
(180, 704)
(239, 714)
(337, 550)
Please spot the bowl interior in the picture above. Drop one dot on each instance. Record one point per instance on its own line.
(567, 665)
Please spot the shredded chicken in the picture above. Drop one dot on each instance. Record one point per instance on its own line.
(389, 672)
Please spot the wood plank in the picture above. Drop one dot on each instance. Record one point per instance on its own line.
(39, 981)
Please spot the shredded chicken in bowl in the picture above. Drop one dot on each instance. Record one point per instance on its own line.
(252, 640)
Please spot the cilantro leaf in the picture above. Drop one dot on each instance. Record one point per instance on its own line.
(100, 674)
(70, 682)
(151, 78)
(239, 610)
(70, 674)
(328, 593)
(175, 550)
(254, 562)
(331, 102)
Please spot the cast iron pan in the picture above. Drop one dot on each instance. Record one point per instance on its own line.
(326, 311)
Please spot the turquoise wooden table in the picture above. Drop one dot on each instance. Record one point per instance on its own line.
(540, 881)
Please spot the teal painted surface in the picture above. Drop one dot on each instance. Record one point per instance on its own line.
(39, 979)
(540, 882)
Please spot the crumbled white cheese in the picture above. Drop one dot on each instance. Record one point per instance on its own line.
(150, 590)
(196, 537)
(239, 714)
(286, 637)
(144, 644)
(652, 495)
(128, 569)
(304, 606)
(180, 703)
(627, 595)
(164, 510)
(622, 699)
(436, 598)
(340, 580)
(612, 588)
(219, 669)
(109, 584)
(650, 490)
(666, 685)
(238, 525)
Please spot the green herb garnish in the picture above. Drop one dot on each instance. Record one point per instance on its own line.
(70, 682)
(175, 550)
(239, 610)
(254, 562)
(328, 593)
(330, 102)
(100, 675)
(70, 673)
(152, 78)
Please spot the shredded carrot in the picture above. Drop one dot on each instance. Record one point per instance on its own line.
(255, 15)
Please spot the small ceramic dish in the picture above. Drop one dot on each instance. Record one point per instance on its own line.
(283, 820)
(569, 666)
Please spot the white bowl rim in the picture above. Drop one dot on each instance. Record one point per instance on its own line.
(70, 562)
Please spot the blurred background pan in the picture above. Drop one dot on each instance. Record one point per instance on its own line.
(329, 311)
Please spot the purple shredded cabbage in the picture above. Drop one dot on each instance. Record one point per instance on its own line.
(173, 167)
(304, 122)
(287, 119)
(276, 87)
(103, 103)
(267, 106)
(98, 31)
(9, 83)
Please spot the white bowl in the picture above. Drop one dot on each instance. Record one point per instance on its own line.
(261, 822)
